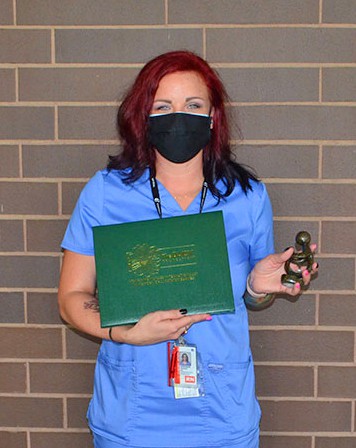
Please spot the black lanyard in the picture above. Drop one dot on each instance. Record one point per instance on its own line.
(157, 199)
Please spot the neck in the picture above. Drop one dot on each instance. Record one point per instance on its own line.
(183, 180)
(180, 177)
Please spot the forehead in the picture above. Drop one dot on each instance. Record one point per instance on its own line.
(182, 84)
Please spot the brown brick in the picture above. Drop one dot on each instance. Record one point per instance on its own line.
(338, 237)
(337, 310)
(7, 15)
(339, 162)
(25, 46)
(42, 308)
(73, 161)
(124, 46)
(342, 11)
(35, 123)
(334, 276)
(76, 411)
(337, 382)
(45, 235)
(339, 84)
(305, 416)
(29, 272)
(285, 441)
(90, 12)
(31, 412)
(61, 439)
(294, 345)
(13, 439)
(81, 346)
(11, 236)
(70, 194)
(267, 160)
(297, 122)
(286, 311)
(12, 377)
(280, 45)
(87, 123)
(30, 343)
(74, 84)
(7, 84)
(239, 11)
(12, 307)
(286, 231)
(333, 441)
(323, 200)
(9, 156)
(73, 378)
(271, 84)
(28, 198)
(285, 381)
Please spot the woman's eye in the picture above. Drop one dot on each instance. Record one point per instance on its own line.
(194, 106)
(162, 107)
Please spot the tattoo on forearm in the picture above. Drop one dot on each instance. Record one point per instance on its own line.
(92, 305)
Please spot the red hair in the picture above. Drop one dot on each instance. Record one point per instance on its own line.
(133, 114)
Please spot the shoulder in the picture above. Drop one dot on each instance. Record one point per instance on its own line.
(103, 180)
(254, 202)
(258, 190)
(258, 197)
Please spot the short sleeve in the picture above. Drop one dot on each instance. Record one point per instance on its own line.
(87, 214)
(262, 243)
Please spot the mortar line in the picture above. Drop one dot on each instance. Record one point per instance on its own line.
(14, 12)
(188, 26)
(166, 12)
(53, 47)
(320, 84)
(204, 43)
(17, 86)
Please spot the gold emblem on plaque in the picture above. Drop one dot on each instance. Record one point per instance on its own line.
(144, 260)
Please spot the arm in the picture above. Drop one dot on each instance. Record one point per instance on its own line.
(264, 280)
(76, 299)
(77, 304)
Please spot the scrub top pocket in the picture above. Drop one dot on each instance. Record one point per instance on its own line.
(115, 382)
(229, 388)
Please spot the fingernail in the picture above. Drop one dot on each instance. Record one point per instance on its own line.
(183, 311)
(209, 318)
(297, 285)
(306, 272)
(285, 250)
(317, 265)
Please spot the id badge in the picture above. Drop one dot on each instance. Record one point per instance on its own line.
(184, 371)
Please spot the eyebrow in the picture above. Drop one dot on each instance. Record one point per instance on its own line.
(187, 99)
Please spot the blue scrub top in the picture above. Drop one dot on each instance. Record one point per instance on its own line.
(132, 404)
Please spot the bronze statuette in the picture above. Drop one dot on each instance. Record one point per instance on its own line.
(298, 260)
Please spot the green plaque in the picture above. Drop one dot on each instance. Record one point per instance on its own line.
(162, 264)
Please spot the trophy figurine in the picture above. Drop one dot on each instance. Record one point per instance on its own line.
(298, 260)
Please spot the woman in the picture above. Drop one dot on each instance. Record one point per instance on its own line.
(185, 360)
(174, 133)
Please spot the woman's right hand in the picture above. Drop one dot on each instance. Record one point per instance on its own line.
(157, 327)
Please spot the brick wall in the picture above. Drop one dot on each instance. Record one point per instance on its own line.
(289, 66)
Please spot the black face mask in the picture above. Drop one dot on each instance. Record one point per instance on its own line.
(179, 136)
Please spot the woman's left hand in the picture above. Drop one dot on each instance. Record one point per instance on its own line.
(266, 275)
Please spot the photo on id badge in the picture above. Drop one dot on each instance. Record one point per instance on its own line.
(187, 366)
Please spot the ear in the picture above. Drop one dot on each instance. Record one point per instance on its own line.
(211, 118)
